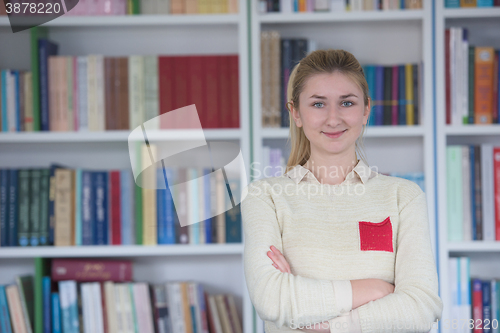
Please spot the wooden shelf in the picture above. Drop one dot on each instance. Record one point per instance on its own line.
(120, 251)
(394, 15)
(137, 20)
(371, 131)
(472, 12)
(114, 136)
(475, 246)
(473, 130)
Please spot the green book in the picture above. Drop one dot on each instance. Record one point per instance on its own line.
(25, 285)
(35, 207)
(35, 34)
(42, 269)
(454, 192)
(44, 206)
(472, 61)
(23, 231)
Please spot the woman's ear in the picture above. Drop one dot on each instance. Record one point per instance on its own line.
(295, 114)
(366, 114)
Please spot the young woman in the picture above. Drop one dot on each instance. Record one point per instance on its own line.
(332, 242)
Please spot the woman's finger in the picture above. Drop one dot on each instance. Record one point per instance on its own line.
(277, 263)
(279, 259)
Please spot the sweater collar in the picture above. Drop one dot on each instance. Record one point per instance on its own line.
(360, 172)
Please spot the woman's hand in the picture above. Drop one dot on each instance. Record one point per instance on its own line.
(367, 290)
(280, 263)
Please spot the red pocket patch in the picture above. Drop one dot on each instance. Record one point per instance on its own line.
(376, 236)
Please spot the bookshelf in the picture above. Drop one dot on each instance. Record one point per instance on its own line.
(374, 37)
(219, 267)
(482, 24)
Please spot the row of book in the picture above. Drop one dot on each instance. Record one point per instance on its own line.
(308, 6)
(472, 76)
(65, 207)
(471, 3)
(92, 297)
(475, 301)
(473, 192)
(274, 165)
(97, 93)
(133, 7)
(395, 91)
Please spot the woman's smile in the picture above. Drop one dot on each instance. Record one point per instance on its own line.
(334, 135)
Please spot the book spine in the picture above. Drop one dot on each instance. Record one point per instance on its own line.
(473, 190)
(5, 325)
(483, 83)
(486, 303)
(44, 206)
(136, 91)
(126, 205)
(409, 95)
(47, 327)
(161, 207)
(149, 197)
(91, 270)
(56, 313)
(169, 210)
(101, 208)
(115, 207)
(478, 193)
(28, 103)
(63, 229)
(496, 175)
(34, 210)
(3, 106)
(87, 207)
(387, 118)
(208, 205)
(78, 206)
(395, 97)
(4, 206)
(70, 119)
(471, 89)
(42, 93)
(13, 208)
(83, 124)
(15, 309)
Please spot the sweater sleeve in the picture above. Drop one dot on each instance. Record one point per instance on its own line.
(282, 298)
(415, 303)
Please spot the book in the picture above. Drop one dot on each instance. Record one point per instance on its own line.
(83, 270)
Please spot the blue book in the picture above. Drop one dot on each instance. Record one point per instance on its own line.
(452, 3)
(170, 209)
(161, 206)
(379, 95)
(45, 49)
(5, 326)
(208, 205)
(402, 95)
(78, 207)
(194, 232)
(126, 207)
(233, 215)
(370, 79)
(13, 207)
(56, 313)
(4, 207)
(3, 106)
(101, 208)
(46, 304)
(17, 101)
(472, 191)
(87, 214)
(486, 288)
(485, 3)
(73, 306)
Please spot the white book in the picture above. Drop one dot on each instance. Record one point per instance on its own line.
(488, 192)
(101, 114)
(87, 311)
(215, 318)
(467, 193)
(11, 102)
(201, 205)
(126, 301)
(174, 298)
(82, 94)
(465, 300)
(142, 306)
(110, 303)
(193, 206)
(452, 75)
(151, 106)
(120, 315)
(92, 93)
(286, 6)
(193, 301)
(136, 90)
(97, 307)
(453, 288)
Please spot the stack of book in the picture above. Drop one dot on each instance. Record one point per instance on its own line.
(471, 3)
(72, 207)
(96, 296)
(395, 91)
(473, 192)
(135, 7)
(475, 300)
(308, 6)
(97, 93)
(472, 76)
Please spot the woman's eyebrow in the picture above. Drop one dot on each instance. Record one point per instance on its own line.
(348, 95)
(317, 96)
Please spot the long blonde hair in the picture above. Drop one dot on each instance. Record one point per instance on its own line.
(318, 62)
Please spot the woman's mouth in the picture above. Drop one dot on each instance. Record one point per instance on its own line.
(334, 135)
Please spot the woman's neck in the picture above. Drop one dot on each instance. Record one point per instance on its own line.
(331, 169)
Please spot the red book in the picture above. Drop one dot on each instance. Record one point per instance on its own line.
(109, 94)
(496, 177)
(167, 100)
(116, 238)
(196, 89)
(89, 270)
(447, 75)
(477, 305)
(212, 92)
(235, 91)
(211, 323)
(104, 309)
(121, 92)
(395, 96)
(180, 83)
(224, 91)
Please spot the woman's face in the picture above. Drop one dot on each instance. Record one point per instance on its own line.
(331, 112)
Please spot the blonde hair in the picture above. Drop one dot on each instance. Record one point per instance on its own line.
(319, 62)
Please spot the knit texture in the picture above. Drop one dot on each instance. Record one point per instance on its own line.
(369, 226)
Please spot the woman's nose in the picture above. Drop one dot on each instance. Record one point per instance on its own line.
(333, 117)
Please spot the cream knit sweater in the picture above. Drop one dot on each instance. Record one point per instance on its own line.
(369, 226)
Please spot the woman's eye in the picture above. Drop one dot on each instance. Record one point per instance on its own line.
(347, 102)
(316, 103)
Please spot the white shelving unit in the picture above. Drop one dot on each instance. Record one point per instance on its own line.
(379, 37)
(483, 25)
(218, 266)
